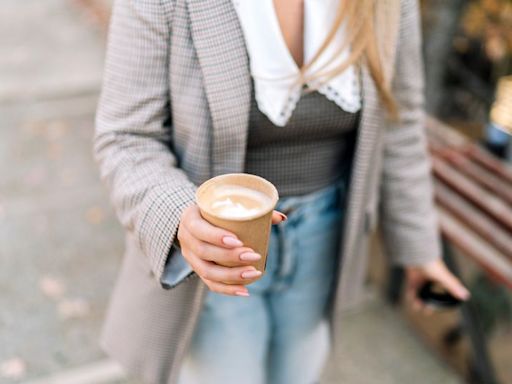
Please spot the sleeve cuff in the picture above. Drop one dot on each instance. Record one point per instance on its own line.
(177, 270)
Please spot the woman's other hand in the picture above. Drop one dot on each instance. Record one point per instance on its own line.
(437, 272)
(206, 247)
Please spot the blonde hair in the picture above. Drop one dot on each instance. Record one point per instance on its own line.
(359, 19)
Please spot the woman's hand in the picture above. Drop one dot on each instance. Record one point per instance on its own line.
(206, 246)
(433, 271)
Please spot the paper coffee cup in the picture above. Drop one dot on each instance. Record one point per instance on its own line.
(253, 229)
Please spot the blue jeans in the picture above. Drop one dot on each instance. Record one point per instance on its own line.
(280, 334)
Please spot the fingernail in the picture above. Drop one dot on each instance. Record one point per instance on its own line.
(465, 294)
(251, 274)
(283, 216)
(250, 256)
(231, 241)
(242, 293)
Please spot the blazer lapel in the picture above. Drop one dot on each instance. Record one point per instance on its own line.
(222, 54)
(370, 128)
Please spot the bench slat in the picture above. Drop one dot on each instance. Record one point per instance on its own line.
(439, 132)
(500, 187)
(470, 190)
(473, 218)
(494, 165)
(472, 245)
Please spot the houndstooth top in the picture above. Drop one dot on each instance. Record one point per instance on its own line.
(313, 150)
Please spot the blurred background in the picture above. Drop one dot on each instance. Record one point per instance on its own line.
(61, 245)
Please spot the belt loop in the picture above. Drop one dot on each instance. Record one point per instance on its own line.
(287, 210)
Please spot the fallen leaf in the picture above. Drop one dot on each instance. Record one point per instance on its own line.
(54, 150)
(73, 308)
(55, 130)
(33, 128)
(52, 287)
(68, 176)
(14, 368)
(94, 215)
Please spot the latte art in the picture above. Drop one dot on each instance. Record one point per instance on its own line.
(237, 202)
(232, 208)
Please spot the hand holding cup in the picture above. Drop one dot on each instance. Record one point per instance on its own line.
(217, 253)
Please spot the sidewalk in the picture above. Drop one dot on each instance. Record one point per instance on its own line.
(47, 51)
(60, 243)
(378, 349)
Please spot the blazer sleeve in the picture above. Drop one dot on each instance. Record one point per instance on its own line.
(133, 137)
(408, 215)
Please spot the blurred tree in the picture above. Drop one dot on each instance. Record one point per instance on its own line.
(490, 22)
(440, 26)
(467, 46)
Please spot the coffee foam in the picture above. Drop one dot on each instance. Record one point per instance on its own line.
(238, 202)
(229, 208)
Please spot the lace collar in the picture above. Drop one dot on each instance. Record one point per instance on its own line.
(274, 70)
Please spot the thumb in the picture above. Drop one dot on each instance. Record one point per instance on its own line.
(278, 217)
(452, 284)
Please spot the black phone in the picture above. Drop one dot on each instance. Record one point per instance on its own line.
(437, 298)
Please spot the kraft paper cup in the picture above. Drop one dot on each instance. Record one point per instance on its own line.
(253, 231)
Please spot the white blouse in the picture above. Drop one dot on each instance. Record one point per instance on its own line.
(273, 68)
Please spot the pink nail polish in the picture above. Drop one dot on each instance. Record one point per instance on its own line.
(242, 293)
(231, 241)
(251, 274)
(250, 256)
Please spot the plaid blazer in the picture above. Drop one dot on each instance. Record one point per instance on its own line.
(173, 112)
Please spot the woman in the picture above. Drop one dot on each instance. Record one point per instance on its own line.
(331, 115)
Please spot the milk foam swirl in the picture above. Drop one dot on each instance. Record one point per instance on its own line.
(228, 207)
(237, 202)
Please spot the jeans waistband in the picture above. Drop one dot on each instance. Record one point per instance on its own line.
(298, 208)
(288, 204)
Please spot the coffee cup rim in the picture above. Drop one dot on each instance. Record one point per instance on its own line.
(274, 198)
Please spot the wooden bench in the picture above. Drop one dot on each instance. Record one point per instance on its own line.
(473, 192)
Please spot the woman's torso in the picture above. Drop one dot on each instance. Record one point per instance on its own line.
(313, 150)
